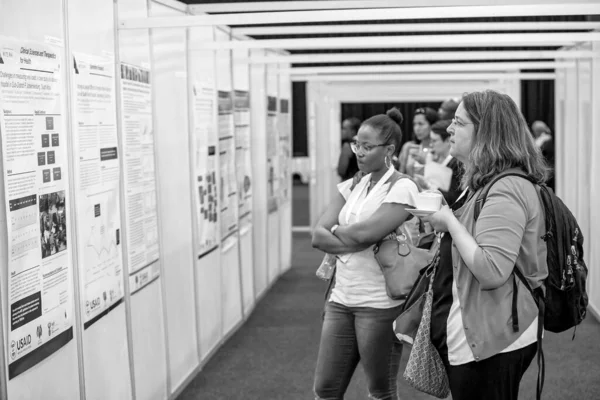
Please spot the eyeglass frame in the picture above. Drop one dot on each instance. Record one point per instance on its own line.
(459, 123)
(355, 147)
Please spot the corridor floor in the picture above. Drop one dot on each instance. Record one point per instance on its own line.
(272, 356)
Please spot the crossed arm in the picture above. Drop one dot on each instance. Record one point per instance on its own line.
(360, 235)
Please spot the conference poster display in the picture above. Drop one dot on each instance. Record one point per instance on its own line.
(285, 151)
(228, 174)
(34, 165)
(97, 172)
(137, 141)
(243, 156)
(272, 156)
(205, 142)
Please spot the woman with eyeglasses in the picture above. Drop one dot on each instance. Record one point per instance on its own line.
(484, 319)
(414, 153)
(357, 324)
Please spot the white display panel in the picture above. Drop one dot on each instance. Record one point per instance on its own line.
(273, 170)
(285, 161)
(230, 260)
(593, 257)
(168, 50)
(148, 340)
(258, 111)
(243, 143)
(58, 372)
(205, 156)
(91, 40)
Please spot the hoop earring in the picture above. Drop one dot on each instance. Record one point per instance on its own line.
(388, 162)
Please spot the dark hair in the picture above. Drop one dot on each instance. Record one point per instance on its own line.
(449, 107)
(388, 125)
(429, 113)
(354, 123)
(501, 140)
(441, 128)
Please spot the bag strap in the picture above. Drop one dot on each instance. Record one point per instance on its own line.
(483, 195)
(538, 295)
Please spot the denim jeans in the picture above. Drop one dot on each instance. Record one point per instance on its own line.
(353, 334)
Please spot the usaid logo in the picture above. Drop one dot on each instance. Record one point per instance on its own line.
(24, 341)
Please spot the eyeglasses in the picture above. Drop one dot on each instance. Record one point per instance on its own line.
(355, 146)
(459, 123)
(420, 111)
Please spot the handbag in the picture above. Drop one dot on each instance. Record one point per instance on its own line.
(425, 369)
(407, 323)
(401, 260)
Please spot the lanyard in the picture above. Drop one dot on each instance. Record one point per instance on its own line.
(354, 199)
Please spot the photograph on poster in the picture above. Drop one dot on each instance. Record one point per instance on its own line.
(53, 223)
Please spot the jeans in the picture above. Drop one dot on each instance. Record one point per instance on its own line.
(353, 334)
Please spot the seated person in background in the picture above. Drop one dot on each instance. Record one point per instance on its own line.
(440, 153)
(347, 165)
(413, 155)
(545, 142)
(448, 108)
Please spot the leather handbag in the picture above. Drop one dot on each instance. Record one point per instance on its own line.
(407, 323)
(401, 258)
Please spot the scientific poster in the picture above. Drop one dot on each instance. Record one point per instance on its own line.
(272, 157)
(34, 164)
(139, 176)
(228, 184)
(285, 151)
(243, 152)
(205, 162)
(97, 172)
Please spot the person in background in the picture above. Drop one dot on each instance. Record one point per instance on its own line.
(440, 153)
(347, 165)
(448, 109)
(545, 142)
(357, 324)
(414, 153)
(484, 320)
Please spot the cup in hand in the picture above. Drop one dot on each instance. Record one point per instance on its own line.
(430, 201)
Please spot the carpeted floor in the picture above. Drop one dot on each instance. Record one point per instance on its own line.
(273, 355)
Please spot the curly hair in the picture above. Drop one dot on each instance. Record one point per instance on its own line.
(501, 140)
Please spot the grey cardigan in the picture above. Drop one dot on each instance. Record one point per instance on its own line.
(508, 231)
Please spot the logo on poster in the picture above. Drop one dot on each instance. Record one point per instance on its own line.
(24, 341)
(13, 350)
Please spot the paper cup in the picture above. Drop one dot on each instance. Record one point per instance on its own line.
(429, 201)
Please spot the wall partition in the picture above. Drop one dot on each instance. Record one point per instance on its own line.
(577, 178)
(137, 215)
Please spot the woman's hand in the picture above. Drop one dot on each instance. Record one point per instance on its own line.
(440, 219)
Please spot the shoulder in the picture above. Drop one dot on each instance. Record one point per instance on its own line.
(401, 183)
(516, 190)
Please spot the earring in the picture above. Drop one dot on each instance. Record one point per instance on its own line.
(388, 162)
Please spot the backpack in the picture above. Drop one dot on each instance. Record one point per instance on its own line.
(564, 304)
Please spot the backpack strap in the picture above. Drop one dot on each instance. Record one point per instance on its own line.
(538, 294)
(483, 195)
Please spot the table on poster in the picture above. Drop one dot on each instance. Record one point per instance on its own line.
(137, 140)
(34, 164)
(97, 171)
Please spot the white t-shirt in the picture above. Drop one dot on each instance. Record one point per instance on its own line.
(359, 281)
